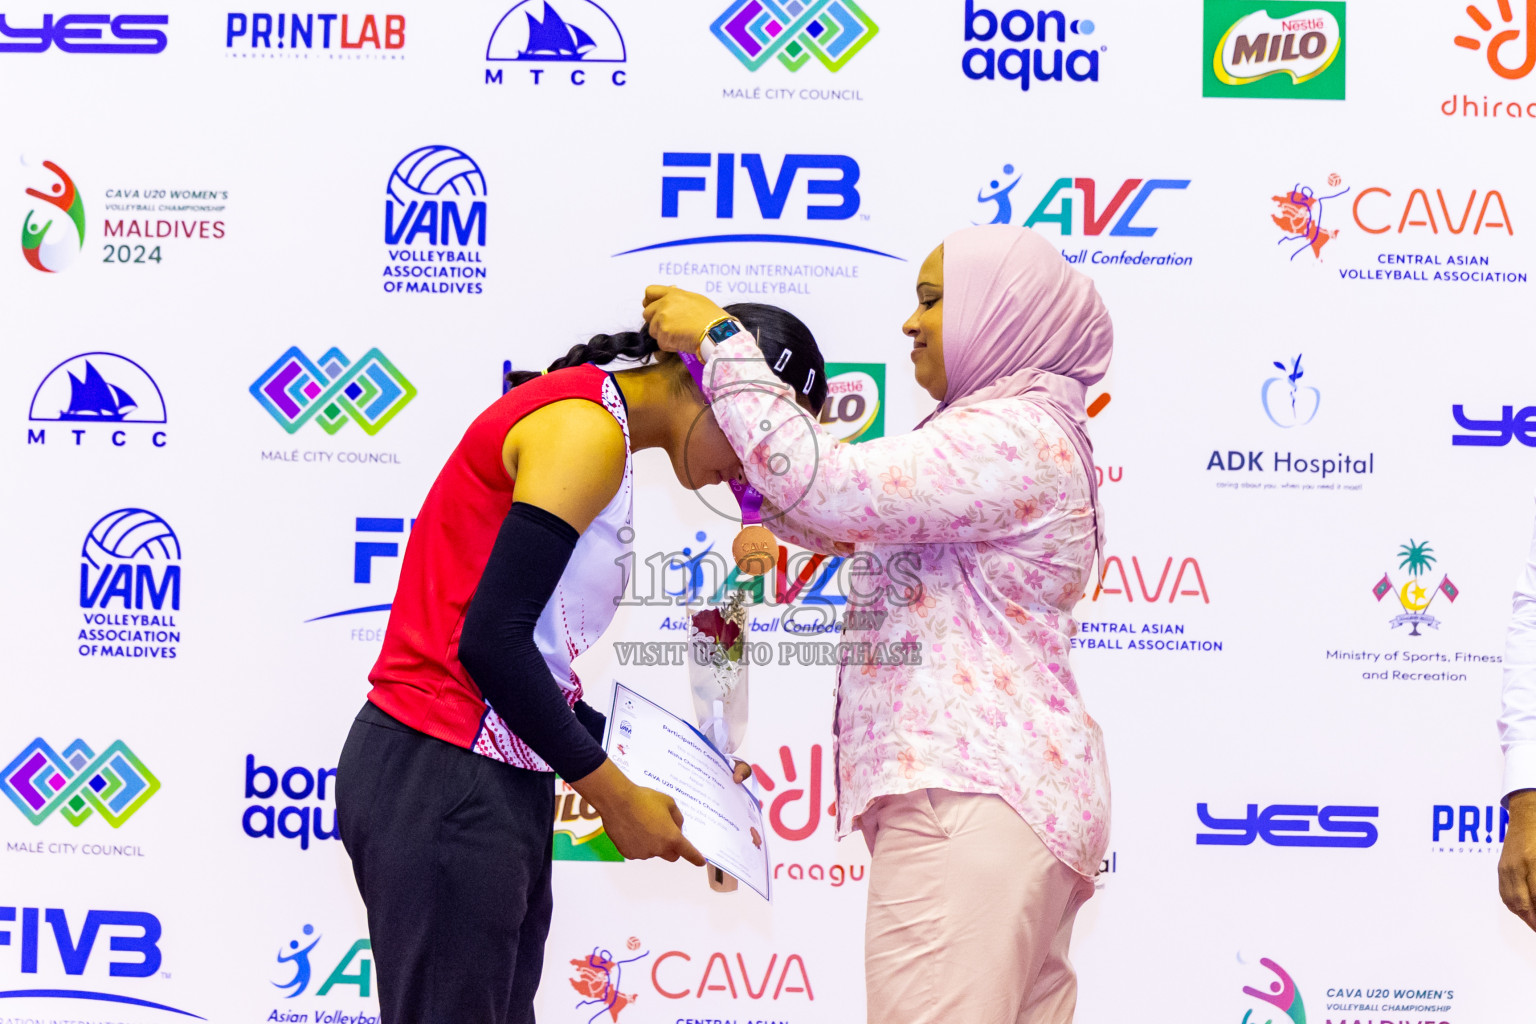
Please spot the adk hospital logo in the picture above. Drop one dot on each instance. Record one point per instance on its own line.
(130, 587)
(435, 224)
(53, 229)
(99, 399)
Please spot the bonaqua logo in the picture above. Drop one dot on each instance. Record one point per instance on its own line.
(369, 392)
(78, 783)
(757, 31)
(296, 810)
(130, 556)
(1026, 64)
(98, 389)
(53, 233)
(435, 213)
(535, 34)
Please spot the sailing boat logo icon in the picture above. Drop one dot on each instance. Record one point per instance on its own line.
(535, 30)
(98, 387)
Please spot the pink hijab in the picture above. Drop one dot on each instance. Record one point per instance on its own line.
(1020, 321)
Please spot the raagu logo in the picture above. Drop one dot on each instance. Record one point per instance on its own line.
(53, 234)
(87, 33)
(437, 212)
(297, 808)
(1496, 433)
(1026, 64)
(95, 393)
(334, 391)
(1274, 49)
(1338, 827)
(78, 783)
(338, 36)
(1117, 217)
(535, 34)
(757, 31)
(130, 556)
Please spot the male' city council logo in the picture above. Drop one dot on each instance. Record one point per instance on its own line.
(53, 234)
(832, 31)
(113, 784)
(370, 392)
(98, 387)
(589, 34)
(1416, 558)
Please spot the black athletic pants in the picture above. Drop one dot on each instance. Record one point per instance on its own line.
(451, 851)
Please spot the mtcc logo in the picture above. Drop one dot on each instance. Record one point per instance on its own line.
(97, 388)
(295, 954)
(534, 33)
(369, 392)
(1294, 405)
(78, 782)
(435, 197)
(53, 230)
(756, 31)
(1507, 32)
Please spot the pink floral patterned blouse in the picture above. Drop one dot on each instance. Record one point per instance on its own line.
(974, 539)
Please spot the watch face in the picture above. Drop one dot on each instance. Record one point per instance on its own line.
(720, 332)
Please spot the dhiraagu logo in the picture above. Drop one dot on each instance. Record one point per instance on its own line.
(1274, 50)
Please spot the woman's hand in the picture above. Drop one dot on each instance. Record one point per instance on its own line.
(678, 319)
(642, 822)
(743, 771)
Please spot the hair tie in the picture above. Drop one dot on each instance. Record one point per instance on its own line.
(543, 372)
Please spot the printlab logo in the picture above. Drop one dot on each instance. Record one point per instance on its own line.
(1469, 828)
(1510, 425)
(97, 389)
(1117, 217)
(535, 34)
(130, 556)
(1296, 404)
(1274, 49)
(435, 197)
(296, 955)
(1282, 994)
(53, 233)
(854, 409)
(87, 33)
(1339, 827)
(599, 980)
(1506, 33)
(1026, 64)
(300, 35)
(369, 392)
(78, 783)
(1414, 598)
(832, 31)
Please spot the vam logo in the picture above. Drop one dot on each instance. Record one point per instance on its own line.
(87, 33)
(131, 557)
(52, 234)
(757, 31)
(435, 201)
(1024, 64)
(536, 34)
(97, 389)
(78, 783)
(369, 392)
(1273, 49)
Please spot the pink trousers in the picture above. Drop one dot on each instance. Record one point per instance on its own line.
(970, 916)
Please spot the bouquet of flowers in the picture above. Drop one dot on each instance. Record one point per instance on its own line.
(717, 671)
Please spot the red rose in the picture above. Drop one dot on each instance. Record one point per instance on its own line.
(711, 623)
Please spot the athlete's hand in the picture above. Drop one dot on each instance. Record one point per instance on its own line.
(677, 318)
(648, 824)
(1517, 864)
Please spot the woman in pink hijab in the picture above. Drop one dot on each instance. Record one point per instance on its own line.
(974, 771)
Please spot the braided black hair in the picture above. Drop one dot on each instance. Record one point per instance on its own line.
(786, 342)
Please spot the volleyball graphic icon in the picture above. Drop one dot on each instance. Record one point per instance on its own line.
(435, 171)
(130, 534)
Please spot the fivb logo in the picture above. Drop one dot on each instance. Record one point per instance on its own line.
(53, 234)
(757, 31)
(369, 392)
(435, 198)
(78, 783)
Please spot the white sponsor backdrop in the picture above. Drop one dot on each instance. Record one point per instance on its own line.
(1258, 576)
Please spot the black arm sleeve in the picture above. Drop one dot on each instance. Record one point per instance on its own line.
(496, 645)
(593, 719)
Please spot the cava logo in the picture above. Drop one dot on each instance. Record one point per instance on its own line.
(1277, 50)
(757, 31)
(53, 230)
(599, 980)
(369, 392)
(130, 586)
(534, 33)
(1416, 559)
(78, 783)
(97, 389)
(854, 409)
(436, 212)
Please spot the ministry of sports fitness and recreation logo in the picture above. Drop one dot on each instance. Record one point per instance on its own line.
(535, 34)
(757, 31)
(130, 587)
(78, 782)
(1416, 559)
(53, 230)
(97, 393)
(333, 391)
(1275, 49)
(435, 223)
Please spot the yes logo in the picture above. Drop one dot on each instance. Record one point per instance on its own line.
(1273, 49)
(53, 233)
(1341, 826)
(1291, 406)
(1496, 433)
(87, 33)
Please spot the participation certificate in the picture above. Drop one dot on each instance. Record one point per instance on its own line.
(721, 817)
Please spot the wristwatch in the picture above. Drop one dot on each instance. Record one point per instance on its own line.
(721, 329)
